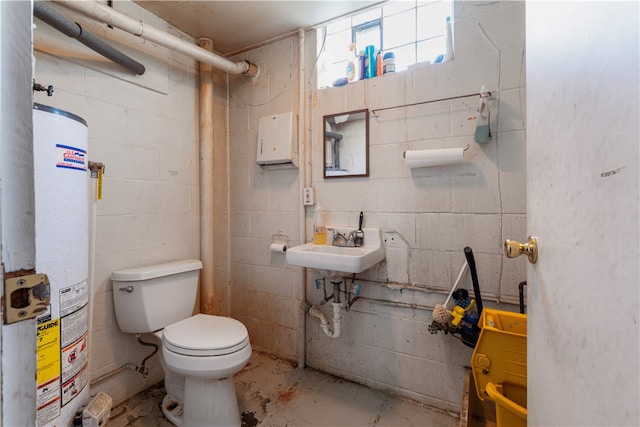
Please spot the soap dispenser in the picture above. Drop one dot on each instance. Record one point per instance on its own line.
(319, 230)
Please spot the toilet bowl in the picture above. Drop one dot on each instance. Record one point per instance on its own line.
(200, 353)
(204, 352)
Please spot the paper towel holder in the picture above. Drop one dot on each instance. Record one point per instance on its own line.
(277, 141)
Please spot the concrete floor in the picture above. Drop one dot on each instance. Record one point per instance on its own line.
(273, 392)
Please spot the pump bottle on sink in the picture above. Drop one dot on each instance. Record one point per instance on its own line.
(319, 230)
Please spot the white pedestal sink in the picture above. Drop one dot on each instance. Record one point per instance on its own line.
(334, 261)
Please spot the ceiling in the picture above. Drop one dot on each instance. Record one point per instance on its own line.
(238, 25)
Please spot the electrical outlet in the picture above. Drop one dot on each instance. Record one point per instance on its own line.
(307, 197)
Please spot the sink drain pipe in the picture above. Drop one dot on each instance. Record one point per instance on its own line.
(324, 323)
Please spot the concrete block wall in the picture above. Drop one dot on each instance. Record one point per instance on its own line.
(145, 130)
(428, 215)
(265, 293)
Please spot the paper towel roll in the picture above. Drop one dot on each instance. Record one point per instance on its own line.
(279, 247)
(423, 158)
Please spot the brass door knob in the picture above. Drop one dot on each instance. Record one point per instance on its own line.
(513, 249)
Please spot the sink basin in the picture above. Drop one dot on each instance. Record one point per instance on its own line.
(333, 261)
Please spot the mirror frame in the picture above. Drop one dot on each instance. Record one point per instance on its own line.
(366, 145)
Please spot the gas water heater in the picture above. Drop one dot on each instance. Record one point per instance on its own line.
(61, 186)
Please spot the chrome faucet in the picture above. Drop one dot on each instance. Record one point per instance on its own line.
(338, 239)
(354, 239)
(357, 237)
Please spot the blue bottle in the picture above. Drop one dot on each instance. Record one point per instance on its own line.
(362, 66)
(370, 61)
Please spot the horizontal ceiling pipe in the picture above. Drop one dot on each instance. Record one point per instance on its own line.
(110, 16)
(75, 31)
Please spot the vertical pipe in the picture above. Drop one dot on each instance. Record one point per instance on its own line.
(207, 286)
(302, 180)
(92, 258)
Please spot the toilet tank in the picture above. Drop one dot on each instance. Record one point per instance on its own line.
(149, 298)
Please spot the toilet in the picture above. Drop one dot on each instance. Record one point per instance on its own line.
(200, 353)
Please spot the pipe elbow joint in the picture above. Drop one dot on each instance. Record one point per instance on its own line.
(252, 69)
(306, 307)
(315, 312)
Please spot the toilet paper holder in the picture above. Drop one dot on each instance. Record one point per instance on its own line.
(279, 242)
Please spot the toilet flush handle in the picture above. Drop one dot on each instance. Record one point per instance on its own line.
(127, 289)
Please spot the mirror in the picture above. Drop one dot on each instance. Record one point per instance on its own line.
(346, 144)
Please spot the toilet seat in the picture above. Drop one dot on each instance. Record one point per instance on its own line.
(205, 335)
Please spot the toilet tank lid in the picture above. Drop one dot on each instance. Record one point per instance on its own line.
(156, 270)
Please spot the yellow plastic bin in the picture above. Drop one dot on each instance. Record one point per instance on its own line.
(499, 365)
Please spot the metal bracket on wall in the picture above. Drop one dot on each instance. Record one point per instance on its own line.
(25, 297)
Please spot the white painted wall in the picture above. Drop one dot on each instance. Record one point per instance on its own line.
(264, 292)
(428, 215)
(145, 130)
(263, 202)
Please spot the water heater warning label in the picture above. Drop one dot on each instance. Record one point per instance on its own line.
(73, 298)
(74, 386)
(48, 372)
(74, 359)
(69, 157)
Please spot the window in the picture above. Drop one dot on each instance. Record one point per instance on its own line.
(413, 30)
